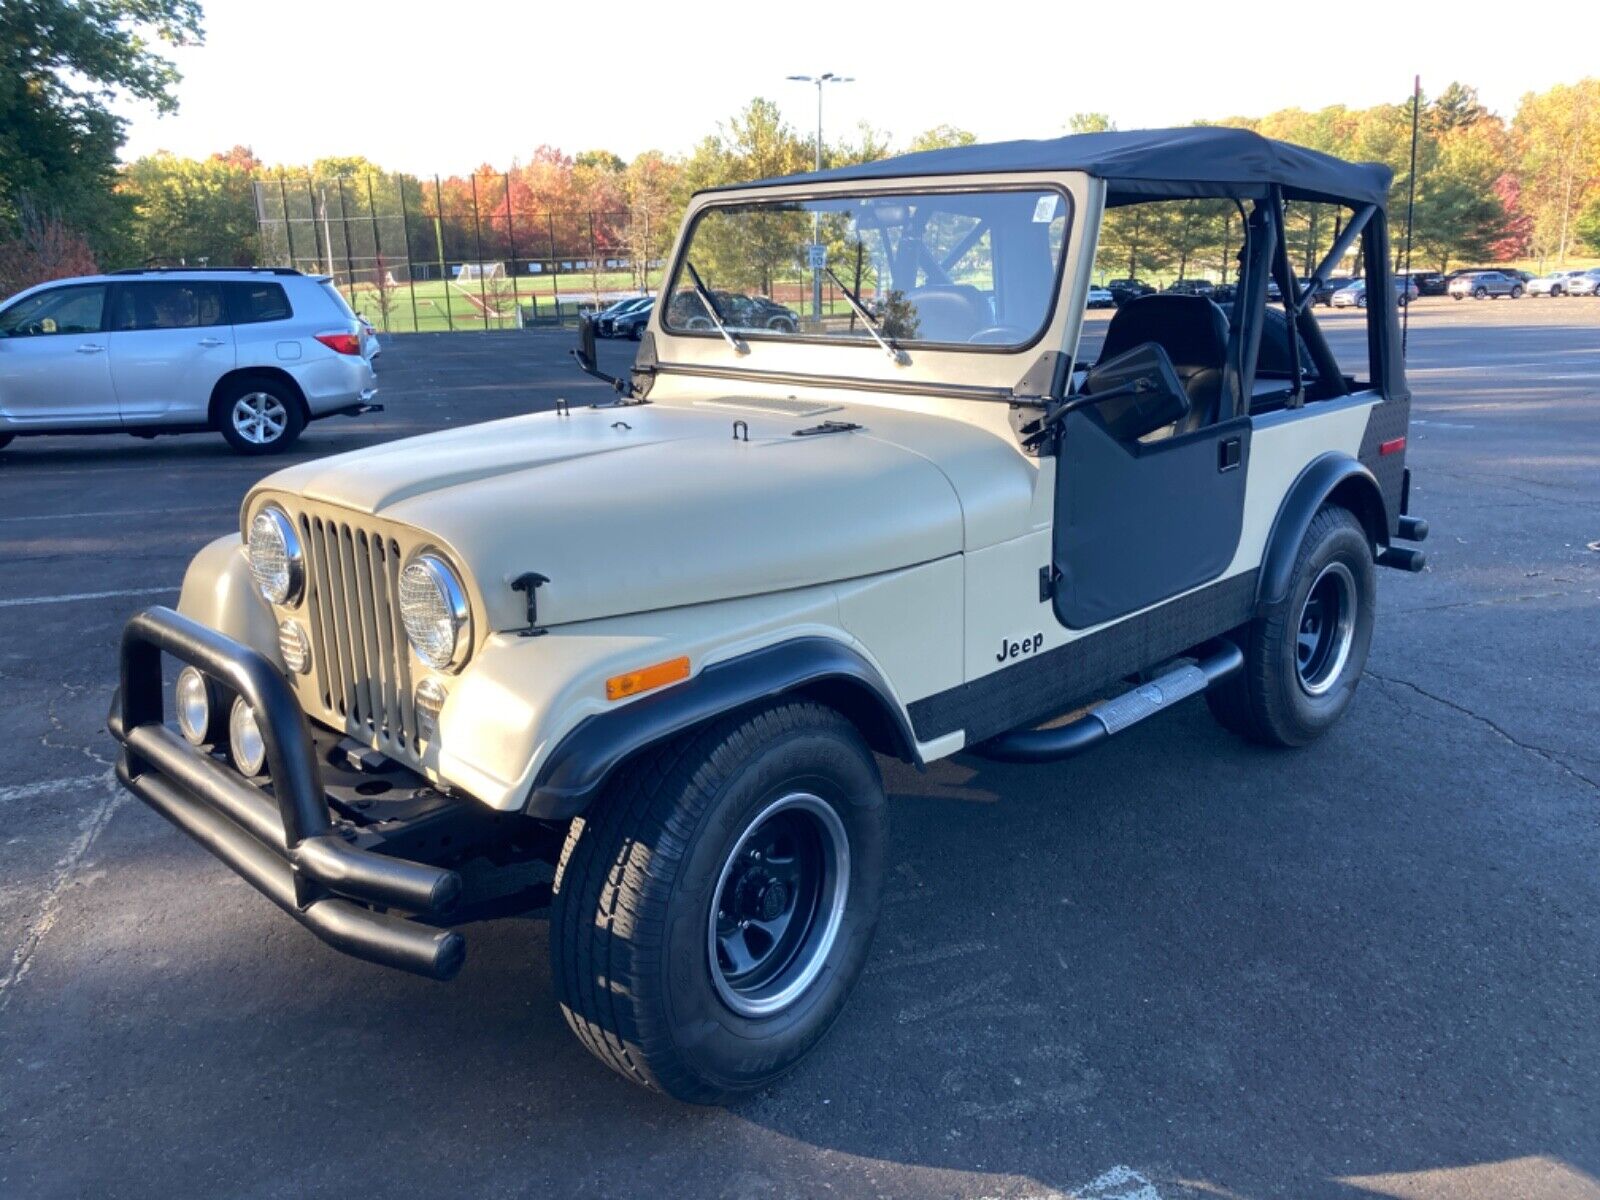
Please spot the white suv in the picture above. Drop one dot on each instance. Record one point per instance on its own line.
(253, 354)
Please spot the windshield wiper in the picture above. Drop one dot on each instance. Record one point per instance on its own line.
(710, 305)
(871, 322)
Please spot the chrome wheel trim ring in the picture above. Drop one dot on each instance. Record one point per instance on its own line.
(1333, 583)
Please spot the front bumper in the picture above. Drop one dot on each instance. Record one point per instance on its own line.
(286, 844)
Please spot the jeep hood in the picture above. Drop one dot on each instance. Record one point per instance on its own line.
(631, 509)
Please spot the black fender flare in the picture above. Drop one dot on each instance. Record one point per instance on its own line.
(1329, 478)
(817, 668)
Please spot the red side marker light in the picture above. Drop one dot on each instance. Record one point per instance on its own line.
(1392, 446)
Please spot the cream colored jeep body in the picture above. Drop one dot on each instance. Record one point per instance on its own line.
(918, 518)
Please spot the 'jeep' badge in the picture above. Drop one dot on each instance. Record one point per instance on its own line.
(1017, 649)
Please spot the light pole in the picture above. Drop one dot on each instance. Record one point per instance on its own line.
(816, 218)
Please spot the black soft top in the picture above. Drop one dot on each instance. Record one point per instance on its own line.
(1145, 164)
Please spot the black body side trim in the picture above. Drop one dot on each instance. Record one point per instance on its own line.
(1385, 423)
(819, 668)
(1049, 683)
(1331, 476)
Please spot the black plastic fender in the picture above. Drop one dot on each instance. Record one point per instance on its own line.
(1334, 477)
(817, 668)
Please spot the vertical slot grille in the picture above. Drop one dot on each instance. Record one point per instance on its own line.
(363, 669)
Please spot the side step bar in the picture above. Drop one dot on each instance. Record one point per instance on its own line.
(1113, 716)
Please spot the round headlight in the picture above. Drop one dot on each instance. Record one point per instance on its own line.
(195, 702)
(433, 606)
(244, 739)
(276, 560)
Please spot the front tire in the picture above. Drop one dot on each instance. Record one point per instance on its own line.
(1305, 655)
(714, 909)
(259, 416)
(1516, 293)
(6, 439)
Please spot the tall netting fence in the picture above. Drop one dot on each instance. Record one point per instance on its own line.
(413, 254)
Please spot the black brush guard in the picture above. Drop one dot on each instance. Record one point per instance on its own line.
(285, 844)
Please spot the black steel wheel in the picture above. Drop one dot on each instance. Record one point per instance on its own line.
(715, 908)
(780, 899)
(1305, 654)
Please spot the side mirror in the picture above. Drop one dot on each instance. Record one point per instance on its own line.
(585, 352)
(1136, 393)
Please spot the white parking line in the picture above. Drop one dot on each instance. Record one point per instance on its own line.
(119, 512)
(27, 791)
(24, 601)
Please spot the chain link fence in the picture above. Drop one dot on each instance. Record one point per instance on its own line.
(413, 254)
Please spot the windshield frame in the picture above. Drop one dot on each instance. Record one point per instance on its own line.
(898, 187)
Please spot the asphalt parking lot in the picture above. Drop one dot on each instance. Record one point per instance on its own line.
(1178, 967)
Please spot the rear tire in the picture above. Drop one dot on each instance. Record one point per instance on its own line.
(1304, 656)
(653, 964)
(1481, 294)
(258, 416)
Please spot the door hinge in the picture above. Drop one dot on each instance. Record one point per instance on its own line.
(1048, 576)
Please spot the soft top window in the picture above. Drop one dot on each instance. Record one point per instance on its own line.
(974, 268)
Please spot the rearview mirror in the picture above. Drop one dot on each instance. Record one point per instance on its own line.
(1137, 392)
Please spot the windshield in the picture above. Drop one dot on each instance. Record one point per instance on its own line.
(970, 268)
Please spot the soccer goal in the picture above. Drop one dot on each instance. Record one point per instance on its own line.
(474, 271)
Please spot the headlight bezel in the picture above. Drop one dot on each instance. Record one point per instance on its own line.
(442, 575)
(293, 552)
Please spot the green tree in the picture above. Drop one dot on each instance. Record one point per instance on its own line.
(1090, 122)
(1459, 214)
(187, 210)
(1558, 138)
(941, 136)
(1588, 225)
(61, 63)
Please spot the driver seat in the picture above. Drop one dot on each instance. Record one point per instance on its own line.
(1194, 333)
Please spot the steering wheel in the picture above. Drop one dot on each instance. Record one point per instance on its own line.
(997, 335)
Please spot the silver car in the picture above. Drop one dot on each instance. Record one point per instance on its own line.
(252, 354)
(1481, 285)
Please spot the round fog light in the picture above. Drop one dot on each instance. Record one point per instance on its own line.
(294, 646)
(244, 739)
(194, 703)
(430, 698)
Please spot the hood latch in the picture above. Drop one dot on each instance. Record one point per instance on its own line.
(530, 582)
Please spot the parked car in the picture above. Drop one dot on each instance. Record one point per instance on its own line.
(1100, 297)
(1324, 294)
(252, 354)
(1481, 285)
(738, 312)
(1224, 293)
(1123, 290)
(646, 650)
(1556, 283)
(1354, 294)
(604, 319)
(632, 324)
(1192, 287)
(1428, 283)
(1586, 284)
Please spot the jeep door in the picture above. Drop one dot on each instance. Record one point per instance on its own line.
(54, 368)
(170, 344)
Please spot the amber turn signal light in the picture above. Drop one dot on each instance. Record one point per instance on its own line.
(620, 687)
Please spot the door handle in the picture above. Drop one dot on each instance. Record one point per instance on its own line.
(209, 342)
(90, 348)
(1230, 453)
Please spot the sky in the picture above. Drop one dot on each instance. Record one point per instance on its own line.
(444, 86)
